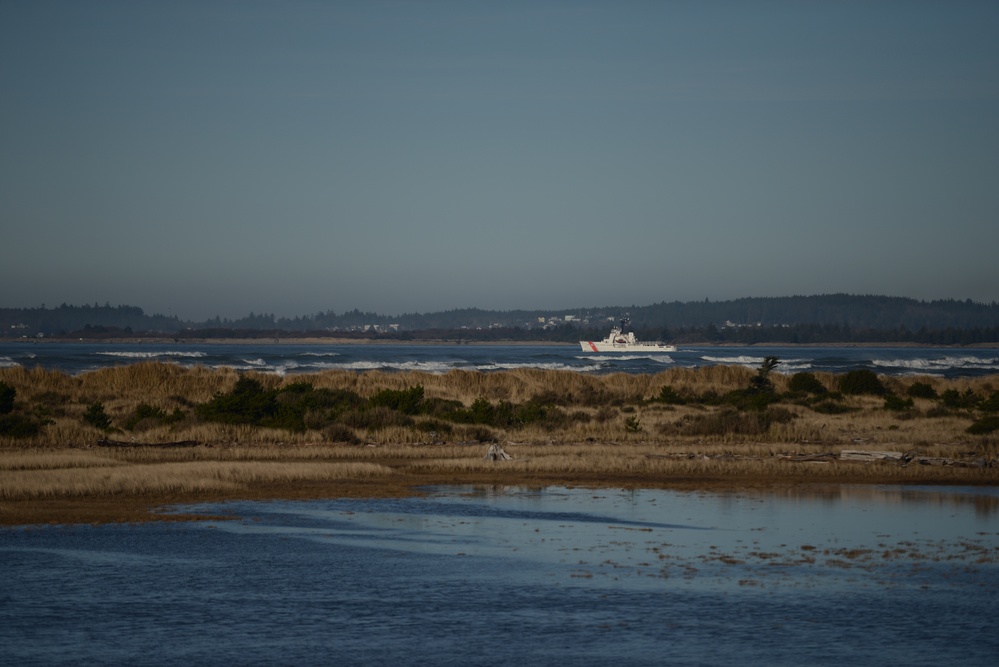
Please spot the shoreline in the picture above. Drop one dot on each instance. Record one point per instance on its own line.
(166, 340)
(405, 480)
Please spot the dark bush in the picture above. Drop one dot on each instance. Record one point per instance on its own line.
(442, 408)
(984, 425)
(921, 390)
(144, 414)
(480, 412)
(952, 398)
(861, 381)
(247, 403)
(341, 433)
(761, 381)
(830, 408)
(990, 404)
(7, 394)
(670, 396)
(406, 401)
(18, 426)
(806, 383)
(295, 407)
(709, 397)
(727, 421)
(751, 399)
(897, 403)
(97, 417)
(510, 415)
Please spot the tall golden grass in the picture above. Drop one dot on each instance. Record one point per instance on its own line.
(81, 474)
(190, 477)
(612, 408)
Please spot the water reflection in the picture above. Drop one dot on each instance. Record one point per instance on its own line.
(785, 538)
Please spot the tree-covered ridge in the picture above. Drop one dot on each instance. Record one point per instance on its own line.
(796, 319)
(66, 318)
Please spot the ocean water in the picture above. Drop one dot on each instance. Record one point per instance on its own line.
(284, 359)
(856, 575)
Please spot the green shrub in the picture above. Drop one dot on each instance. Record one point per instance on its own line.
(829, 407)
(806, 383)
(406, 401)
(144, 413)
(921, 390)
(18, 426)
(861, 381)
(952, 398)
(897, 403)
(761, 381)
(727, 421)
(480, 412)
(990, 404)
(442, 408)
(145, 416)
(247, 403)
(670, 396)
(984, 425)
(97, 417)
(632, 425)
(751, 399)
(7, 394)
(511, 415)
(295, 407)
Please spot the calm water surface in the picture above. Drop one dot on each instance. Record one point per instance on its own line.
(854, 575)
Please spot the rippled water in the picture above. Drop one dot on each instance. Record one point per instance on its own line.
(854, 575)
(310, 358)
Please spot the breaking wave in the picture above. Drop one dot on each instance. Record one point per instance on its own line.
(941, 365)
(744, 360)
(152, 354)
(550, 366)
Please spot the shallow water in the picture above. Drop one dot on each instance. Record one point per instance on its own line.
(854, 575)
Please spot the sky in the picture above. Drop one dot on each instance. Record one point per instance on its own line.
(203, 158)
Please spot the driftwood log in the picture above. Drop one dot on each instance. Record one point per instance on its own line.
(105, 442)
(858, 455)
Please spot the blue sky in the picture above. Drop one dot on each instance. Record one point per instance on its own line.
(215, 158)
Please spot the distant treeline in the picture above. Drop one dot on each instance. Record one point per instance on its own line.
(835, 318)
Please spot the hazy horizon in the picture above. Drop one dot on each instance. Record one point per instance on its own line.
(204, 159)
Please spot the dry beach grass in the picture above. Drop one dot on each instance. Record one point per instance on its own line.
(570, 429)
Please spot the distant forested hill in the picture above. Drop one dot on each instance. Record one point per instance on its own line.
(800, 319)
(862, 312)
(17, 322)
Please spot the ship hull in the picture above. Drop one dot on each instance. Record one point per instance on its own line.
(605, 346)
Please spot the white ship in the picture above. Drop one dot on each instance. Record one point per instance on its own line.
(621, 341)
